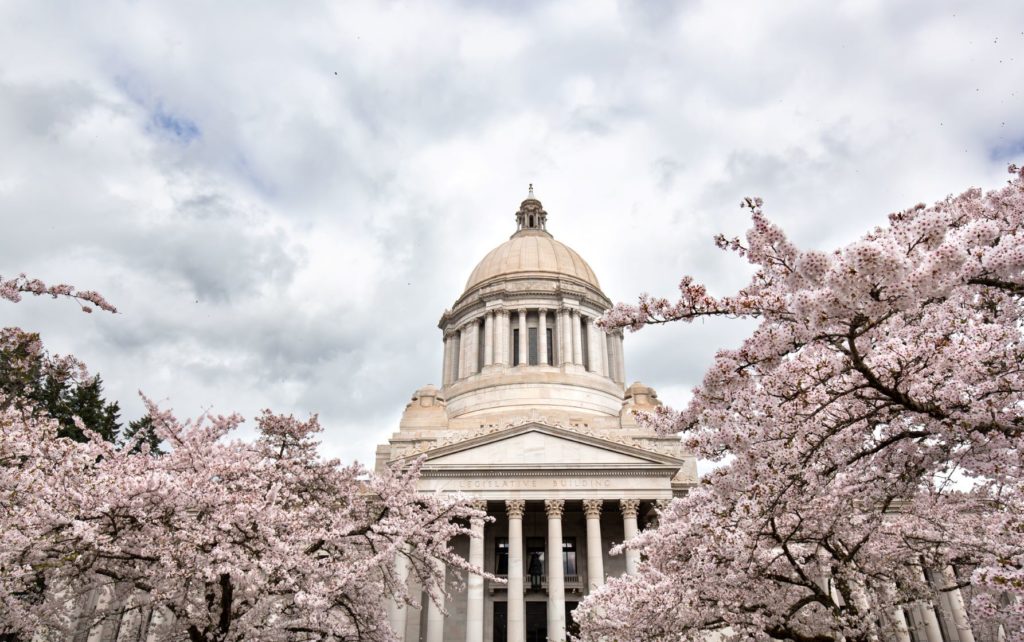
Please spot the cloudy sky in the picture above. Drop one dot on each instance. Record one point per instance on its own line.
(282, 198)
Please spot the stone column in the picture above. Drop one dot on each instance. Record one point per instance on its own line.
(596, 338)
(507, 338)
(435, 616)
(516, 601)
(606, 355)
(397, 611)
(930, 623)
(629, 509)
(446, 366)
(577, 343)
(474, 346)
(496, 338)
(542, 336)
(595, 549)
(524, 342)
(621, 366)
(899, 625)
(463, 349)
(489, 339)
(956, 606)
(927, 612)
(453, 360)
(475, 583)
(556, 572)
(609, 351)
(565, 336)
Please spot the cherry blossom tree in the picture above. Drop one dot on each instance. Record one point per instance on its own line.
(226, 539)
(870, 436)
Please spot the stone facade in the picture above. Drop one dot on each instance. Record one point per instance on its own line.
(533, 419)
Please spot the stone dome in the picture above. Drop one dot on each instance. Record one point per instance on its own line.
(532, 251)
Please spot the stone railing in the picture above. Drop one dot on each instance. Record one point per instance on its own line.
(571, 582)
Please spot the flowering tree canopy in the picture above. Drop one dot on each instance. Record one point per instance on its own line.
(229, 539)
(870, 433)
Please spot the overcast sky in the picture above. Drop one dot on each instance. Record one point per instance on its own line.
(282, 199)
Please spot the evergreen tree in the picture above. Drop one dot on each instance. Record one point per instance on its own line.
(39, 383)
(87, 403)
(143, 428)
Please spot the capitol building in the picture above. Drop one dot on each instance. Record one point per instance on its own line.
(535, 422)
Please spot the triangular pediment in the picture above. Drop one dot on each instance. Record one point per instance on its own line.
(537, 445)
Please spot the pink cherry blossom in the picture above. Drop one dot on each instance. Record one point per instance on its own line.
(870, 432)
(12, 289)
(228, 539)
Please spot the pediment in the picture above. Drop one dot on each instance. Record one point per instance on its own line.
(538, 446)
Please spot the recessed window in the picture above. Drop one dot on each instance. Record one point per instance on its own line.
(515, 347)
(501, 556)
(585, 344)
(532, 332)
(569, 555)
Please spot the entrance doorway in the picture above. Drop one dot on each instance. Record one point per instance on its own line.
(500, 622)
(536, 622)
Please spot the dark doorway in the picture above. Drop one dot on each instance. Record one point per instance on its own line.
(536, 622)
(501, 622)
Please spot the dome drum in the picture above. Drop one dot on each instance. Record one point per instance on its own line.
(550, 389)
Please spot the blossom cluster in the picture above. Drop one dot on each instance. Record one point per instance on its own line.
(870, 431)
(12, 289)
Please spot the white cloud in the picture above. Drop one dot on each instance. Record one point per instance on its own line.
(283, 199)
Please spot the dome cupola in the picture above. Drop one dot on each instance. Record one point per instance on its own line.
(531, 215)
(523, 332)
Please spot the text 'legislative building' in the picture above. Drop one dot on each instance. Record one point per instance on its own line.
(534, 421)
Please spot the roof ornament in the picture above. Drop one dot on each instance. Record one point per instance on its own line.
(531, 215)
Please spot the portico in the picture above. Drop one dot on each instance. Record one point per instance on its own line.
(560, 499)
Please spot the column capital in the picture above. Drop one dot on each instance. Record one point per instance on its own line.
(629, 507)
(554, 508)
(592, 507)
(574, 312)
(515, 508)
(542, 310)
(478, 504)
(521, 310)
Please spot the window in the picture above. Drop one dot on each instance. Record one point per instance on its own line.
(569, 555)
(585, 343)
(479, 347)
(501, 556)
(532, 332)
(515, 347)
(551, 351)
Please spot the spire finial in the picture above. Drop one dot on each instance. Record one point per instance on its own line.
(531, 214)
